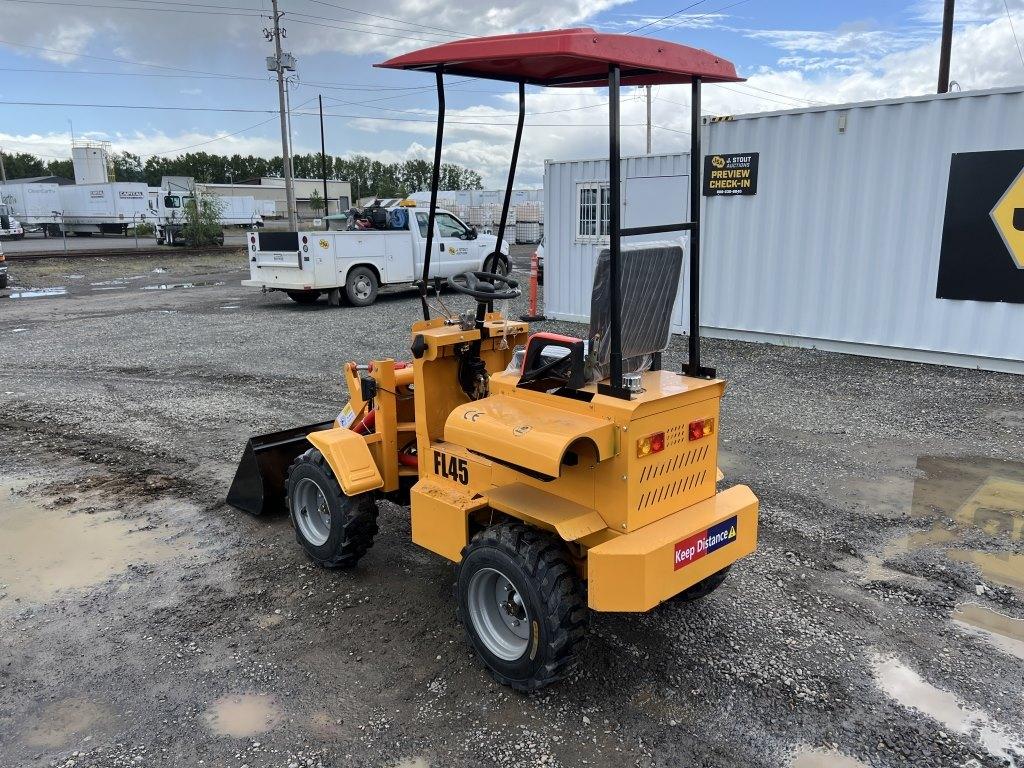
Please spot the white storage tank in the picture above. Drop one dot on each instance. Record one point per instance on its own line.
(91, 160)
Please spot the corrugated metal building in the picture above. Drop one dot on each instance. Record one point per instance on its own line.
(840, 247)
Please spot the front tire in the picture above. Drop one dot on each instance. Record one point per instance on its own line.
(304, 297)
(361, 286)
(522, 605)
(497, 264)
(334, 529)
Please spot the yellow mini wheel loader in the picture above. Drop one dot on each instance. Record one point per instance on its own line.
(561, 475)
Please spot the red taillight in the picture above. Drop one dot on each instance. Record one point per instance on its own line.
(701, 429)
(655, 443)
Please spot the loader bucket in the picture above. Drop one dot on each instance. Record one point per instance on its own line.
(259, 481)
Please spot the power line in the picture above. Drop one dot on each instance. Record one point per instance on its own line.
(669, 16)
(451, 32)
(246, 110)
(708, 13)
(1009, 18)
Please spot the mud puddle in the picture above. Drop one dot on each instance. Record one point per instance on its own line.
(908, 688)
(59, 723)
(817, 757)
(965, 500)
(39, 293)
(174, 286)
(242, 716)
(1004, 632)
(45, 552)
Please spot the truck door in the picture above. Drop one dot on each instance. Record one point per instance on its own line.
(461, 252)
(439, 265)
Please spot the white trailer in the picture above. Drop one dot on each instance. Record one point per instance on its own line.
(89, 209)
(308, 264)
(32, 204)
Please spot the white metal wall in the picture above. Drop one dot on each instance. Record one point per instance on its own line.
(839, 249)
(840, 246)
(654, 191)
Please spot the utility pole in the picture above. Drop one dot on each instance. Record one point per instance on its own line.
(281, 62)
(323, 158)
(648, 119)
(3, 171)
(947, 45)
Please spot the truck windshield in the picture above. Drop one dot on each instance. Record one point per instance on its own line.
(171, 201)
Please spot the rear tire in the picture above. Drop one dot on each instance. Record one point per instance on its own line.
(522, 605)
(304, 297)
(334, 529)
(361, 286)
(3, 282)
(704, 587)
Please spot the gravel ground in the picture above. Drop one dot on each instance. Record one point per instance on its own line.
(878, 624)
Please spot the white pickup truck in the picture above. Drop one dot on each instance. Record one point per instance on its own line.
(356, 263)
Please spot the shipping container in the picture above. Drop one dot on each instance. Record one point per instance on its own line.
(838, 240)
(655, 190)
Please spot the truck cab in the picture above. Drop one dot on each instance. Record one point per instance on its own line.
(9, 226)
(359, 261)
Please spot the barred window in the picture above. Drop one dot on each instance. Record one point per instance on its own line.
(593, 211)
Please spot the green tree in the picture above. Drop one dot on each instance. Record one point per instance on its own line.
(22, 165)
(202, 219)
(128, 167)
(316, 202)
(64, 168)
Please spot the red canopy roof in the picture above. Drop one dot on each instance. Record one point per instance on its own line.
(570, 57)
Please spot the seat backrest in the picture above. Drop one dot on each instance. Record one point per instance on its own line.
(649, 276)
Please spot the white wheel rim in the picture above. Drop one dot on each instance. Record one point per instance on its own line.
(362, 287)
(312, 515)
(498, 614)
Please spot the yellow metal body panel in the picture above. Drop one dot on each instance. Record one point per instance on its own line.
(440, 518)
(569, 520)
(350, 458)
(530, 435)
(637, 571)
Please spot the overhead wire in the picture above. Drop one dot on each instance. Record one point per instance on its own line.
(1009, 18)
(669, 16)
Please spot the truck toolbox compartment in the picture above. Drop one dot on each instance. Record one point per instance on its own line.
(636, 571)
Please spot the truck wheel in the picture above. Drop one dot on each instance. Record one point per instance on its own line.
(304, 297)
(361, 286)
(497, 264)
(3, 282)
(704, 587)
(522, 605)
(334, 529)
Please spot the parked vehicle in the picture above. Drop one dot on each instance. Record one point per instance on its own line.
(33, 205)
(102, 209)
(3, 269)
(10, 227)
(169, 212)
(357, 262)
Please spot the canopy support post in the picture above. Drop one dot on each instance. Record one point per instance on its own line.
(614, 386)
(435, 181)
(693, 367)
(512, 168)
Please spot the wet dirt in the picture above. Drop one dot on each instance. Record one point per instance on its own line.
(1004, 632)
(57, 724)
(244, 715)
(47, 550)
(972, 509)
(137, 404)
(911, 690)
(817, 757)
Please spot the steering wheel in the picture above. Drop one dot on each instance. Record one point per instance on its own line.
(482, 286)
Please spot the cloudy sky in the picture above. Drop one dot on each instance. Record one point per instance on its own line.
(159, 77)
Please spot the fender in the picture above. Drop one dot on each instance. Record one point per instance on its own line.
(349, 458)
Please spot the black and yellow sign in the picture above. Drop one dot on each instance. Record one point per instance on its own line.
(982, 256)
(730, 174)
